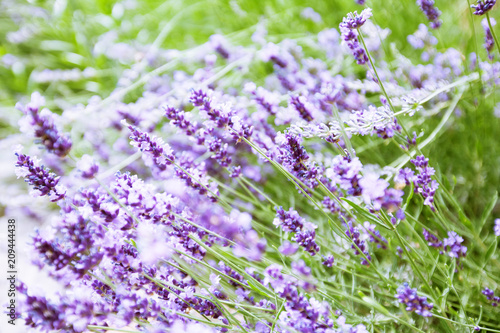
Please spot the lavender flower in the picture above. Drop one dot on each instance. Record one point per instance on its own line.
(300, 313)
(421, 38)
(413, 302)
(307, 239)
(483, 6)
(42, 123)
(304, 231)
(302, 106)
(294, 157)
(374, 235)
(432, 240)
(422, 181)
(348, 30)
(87, 166)
(220, 114)
(490, 296)
(432, 13)
(328, 260)
(489, 43)
(359, 244)
(311, 14)
(453, 246)
(219, 44)
(289, 221)
(496, 228)
(70, 314)
(156, 153)
(288, 249)
(180, 119)
(43, 181)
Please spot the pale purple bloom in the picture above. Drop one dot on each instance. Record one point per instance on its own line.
(453, 245)
(344, 327)
(496, 228)
(87, 166)
(422, 37)
(310, 14)
(288, 249)
(372, 187)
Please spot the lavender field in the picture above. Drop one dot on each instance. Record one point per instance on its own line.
(250, 166)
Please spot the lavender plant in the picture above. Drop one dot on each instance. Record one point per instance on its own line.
(287, 184)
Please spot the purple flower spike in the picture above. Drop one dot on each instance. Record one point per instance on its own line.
(43, 181)
(156, 152)
(180, 120)
(490, 296)
(304, 231)
(302, 106)
(432, 13)
(413, 302)
(328, 260)
(423, 182)
(289, 221)
(432, 240)
(306, 239)
(489, 43)
(348, 29)
(483, 6)
(43, 126)
(354, 234)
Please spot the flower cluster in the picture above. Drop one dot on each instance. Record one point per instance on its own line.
(300, 313)
(349, 30)
(432, 13)
(489, 42)
(358, 243)
(41, 123)
(43, 181)
(490, 296)
(423, 182)
(413, 302)
(303, 231)
(452, 245)
(482, 7)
